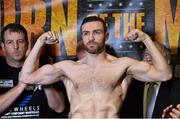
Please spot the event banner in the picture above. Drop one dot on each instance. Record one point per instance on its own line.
(158, 18)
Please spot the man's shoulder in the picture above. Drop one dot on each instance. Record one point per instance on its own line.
(125, 60)
(65, 63)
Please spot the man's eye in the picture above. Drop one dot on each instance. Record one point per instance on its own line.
(9, 42)
(85, 33)
(21, 41)
(98, 32)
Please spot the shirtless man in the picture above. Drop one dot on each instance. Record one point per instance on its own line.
(96, 84)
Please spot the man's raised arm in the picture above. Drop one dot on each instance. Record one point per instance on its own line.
(159, 71)
(32, 74)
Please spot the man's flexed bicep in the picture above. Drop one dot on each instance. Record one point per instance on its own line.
(159, 70)
(47, 74)
(32, 61)
(30, 70)
(144, 71)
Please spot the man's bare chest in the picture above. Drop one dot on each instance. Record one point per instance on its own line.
(99, 79)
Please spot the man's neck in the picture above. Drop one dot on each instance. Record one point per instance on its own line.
(16, 64)
(95, 59)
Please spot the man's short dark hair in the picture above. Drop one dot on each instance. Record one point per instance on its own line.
(93, 18)
(14, 27)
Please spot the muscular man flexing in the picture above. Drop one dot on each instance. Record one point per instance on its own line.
(96, 84)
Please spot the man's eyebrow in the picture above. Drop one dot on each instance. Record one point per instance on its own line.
(93, 30)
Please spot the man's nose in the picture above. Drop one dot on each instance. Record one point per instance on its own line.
(91, 37)
(16, 45)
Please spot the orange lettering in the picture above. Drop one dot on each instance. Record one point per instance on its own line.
(9, 11)
(117, 27)
(66, 25)
(35, 23)
(164, 19)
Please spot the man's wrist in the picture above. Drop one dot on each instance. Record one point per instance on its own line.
(21, 85)
(146, 38)
(41, 41)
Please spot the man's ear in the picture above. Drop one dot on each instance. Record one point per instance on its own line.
(2, 46)
(107, 36)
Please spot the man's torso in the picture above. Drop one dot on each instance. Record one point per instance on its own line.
(95, 91)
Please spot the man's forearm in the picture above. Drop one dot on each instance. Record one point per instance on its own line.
(55, 99)
(9, 97)
(32, 61)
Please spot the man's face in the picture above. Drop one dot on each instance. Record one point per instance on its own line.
(14, 46)
(147, 57)
(94, 37)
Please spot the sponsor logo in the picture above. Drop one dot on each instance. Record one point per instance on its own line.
(6, 83)
(26, 111)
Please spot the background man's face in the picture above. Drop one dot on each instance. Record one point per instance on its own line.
(93, 37)
(147, 57)
(14, 45)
